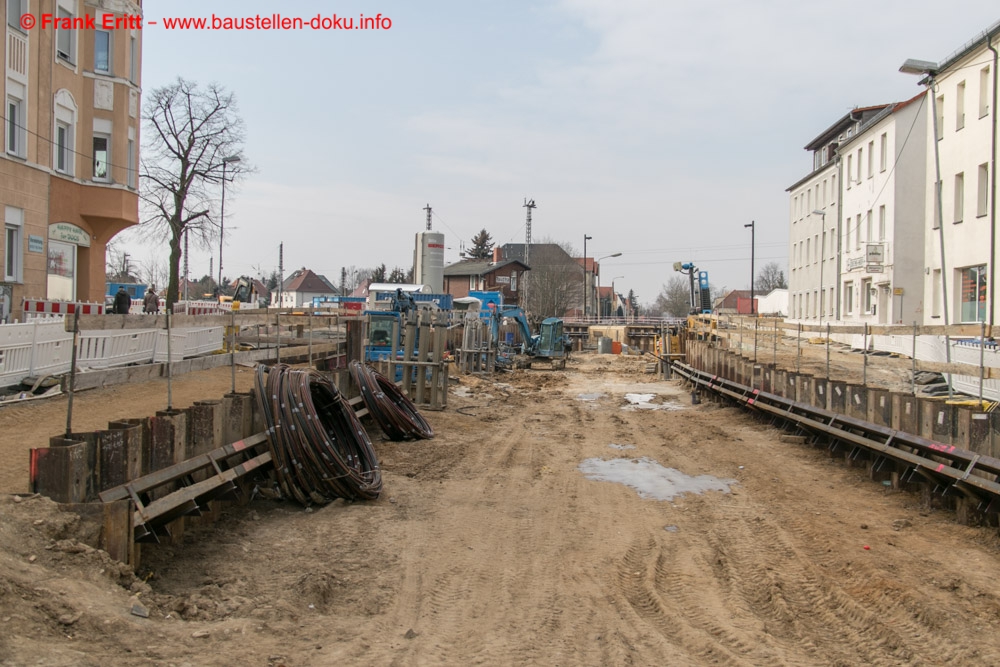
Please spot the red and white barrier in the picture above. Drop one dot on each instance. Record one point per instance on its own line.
(48, 307)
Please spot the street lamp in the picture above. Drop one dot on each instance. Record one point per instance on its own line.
(822, 256)
(614, 294)
(597, 264)
(585, 239)
(928, 70)
(753, 228)
(222, 213)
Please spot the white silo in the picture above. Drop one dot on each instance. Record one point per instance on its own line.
(428, 268)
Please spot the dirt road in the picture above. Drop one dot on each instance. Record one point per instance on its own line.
(490, 546)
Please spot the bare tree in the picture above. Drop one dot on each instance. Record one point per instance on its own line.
(770, 277)
(556, 282)
(190, 133)
(674, 298)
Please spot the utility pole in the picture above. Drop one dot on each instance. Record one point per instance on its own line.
(585, 239)
(753, 228)
(528, 204)
(429, 211)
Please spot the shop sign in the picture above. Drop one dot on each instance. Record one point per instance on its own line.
(36, 243)
(69, 233)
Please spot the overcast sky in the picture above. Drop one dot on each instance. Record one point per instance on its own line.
(658, 128)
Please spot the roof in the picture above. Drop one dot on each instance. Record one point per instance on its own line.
(895, 107)
(834, 130)
(964, 50)
(479, 267)
(304, 280)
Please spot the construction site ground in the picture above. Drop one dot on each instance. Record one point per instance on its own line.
(491, 546)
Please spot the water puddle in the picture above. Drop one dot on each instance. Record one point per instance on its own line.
(589, 397)
(614, 446)
(645, 402)
(650, 479)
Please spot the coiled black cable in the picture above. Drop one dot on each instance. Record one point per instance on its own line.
(319, 448)
(395, 414)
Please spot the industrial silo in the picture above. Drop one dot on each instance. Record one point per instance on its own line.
(428, 268)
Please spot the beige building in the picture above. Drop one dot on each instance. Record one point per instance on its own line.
(68, 169)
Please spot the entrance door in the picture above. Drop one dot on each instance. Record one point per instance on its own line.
(61, 271)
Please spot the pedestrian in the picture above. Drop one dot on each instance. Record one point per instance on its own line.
(151, 302)
(122, 301)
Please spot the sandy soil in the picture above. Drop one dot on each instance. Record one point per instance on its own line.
(490, 546)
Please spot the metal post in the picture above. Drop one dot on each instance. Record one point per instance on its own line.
(310, 340)
(864, 355)
(277, 347)
(940, 213)
(72, 372)
(232, 351)
(914, 357)
(827, 351)
(982, 355)
(170, 379)
(775, 361)
(741, 336)
(798, 349)
(755, 321)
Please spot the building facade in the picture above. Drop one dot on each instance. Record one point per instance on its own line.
(814, 211)
(964, 98)
(883, 217)
(69, 165)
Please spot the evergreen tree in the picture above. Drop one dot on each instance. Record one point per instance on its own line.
(482, 246)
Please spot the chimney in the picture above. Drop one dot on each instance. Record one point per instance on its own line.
(497, 254)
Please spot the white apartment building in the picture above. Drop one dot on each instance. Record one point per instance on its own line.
(883, 216)
(964, 90)
(814, 211)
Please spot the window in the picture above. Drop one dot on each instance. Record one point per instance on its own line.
(960, 106)
(973, 287)
(63, 147)
(884, 155)
(984, 91)
(102, 151)
(808, 250)
(936, 215)
(959, 196)
(857, 234)
(102, 51)
(513, 281)
(133, 60)
(984, 190)
(65, 39)
(881, 222)
(816, 248)
(936, 294)
(940, 117)
(131, 164)
(15, 8)
(17, 139)
(859, 165)
(847, 233)
(848, 298)
(868, 227)
(866, 296)
(871, 158)
(13, 248)
(850, 171)
(809, 200)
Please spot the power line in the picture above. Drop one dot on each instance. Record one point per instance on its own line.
(66, 148)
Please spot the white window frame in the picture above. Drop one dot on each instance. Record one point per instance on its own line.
(64, 113)
(984, 91)
(63, 147)
(133, 60)
(15, 133)
(884, 157)
(15, 9)
(871, 159)
(983, 196)
(513, 281)
(132, 174)
(959, 203)
(866, 296)
(881, 223)
(849, 298)
(65, 51)
(107, 137)
(960, 106)
(13, 258)
(110, 57)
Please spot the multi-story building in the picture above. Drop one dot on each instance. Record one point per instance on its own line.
(814, 211)
(882, 217)
(964, 97)
(68, 168)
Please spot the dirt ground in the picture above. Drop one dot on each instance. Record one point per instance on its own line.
(490, 546)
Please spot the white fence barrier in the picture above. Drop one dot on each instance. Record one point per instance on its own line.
(44, 347)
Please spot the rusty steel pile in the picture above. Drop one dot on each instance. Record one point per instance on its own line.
(320, 450)
(395, 414)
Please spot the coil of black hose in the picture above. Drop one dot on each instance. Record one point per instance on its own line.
(319, 448)
(395, 414)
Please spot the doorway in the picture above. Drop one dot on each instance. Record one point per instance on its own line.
(61, 279)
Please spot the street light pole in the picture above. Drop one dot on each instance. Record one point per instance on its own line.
(585, 239)
(597, 264)
(822, 256)
(222, 213)
(753, 227)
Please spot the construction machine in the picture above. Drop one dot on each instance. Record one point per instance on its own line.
(244, 292)
(549, 344)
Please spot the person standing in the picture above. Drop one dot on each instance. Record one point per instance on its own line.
(123, 302)
(151, 302)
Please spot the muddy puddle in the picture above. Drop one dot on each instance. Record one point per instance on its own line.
(650, 479)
